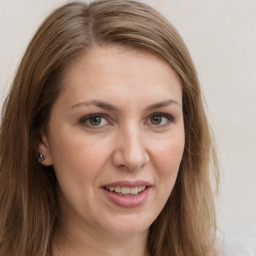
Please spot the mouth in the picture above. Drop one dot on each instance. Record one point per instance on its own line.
(128, 194)
(126, 191)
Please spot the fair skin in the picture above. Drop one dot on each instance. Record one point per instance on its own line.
(115, 139)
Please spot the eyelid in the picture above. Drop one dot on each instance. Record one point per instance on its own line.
(83, 120)
(165, 115)
(87, 117)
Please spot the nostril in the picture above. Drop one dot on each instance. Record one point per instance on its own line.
(130, 152)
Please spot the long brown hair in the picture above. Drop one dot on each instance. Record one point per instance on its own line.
(28, 201)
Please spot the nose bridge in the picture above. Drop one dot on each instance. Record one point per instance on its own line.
(132, 151)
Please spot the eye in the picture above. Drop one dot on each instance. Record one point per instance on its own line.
(94, 120)
(159, 119)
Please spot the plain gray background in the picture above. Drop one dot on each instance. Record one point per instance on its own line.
(221, 36)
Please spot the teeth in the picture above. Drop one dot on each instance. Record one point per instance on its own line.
(127, 190)
(134, 191)
(118, 189)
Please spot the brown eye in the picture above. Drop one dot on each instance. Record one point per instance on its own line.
(159, 119)
(95, 120)
(156, 120)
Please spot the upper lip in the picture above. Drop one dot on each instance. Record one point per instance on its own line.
(125, 183)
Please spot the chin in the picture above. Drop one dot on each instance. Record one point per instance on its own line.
(129, 226)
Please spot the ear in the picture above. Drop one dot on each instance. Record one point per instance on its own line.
(44, 148)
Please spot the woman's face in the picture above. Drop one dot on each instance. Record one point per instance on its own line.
(116, 139)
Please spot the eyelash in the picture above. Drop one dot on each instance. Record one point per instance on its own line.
(86, 119)
(169, 118)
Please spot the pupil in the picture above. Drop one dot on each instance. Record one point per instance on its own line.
(156, 119)
(95, 120)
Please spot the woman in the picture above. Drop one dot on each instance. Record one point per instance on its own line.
(105, 146)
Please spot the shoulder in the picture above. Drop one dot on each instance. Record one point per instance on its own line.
(238, 245)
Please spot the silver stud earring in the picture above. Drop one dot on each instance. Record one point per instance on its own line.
(41, 157)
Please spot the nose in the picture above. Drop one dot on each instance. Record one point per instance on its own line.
(130, 150)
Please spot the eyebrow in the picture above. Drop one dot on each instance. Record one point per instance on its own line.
(113, 108)
(97, 103)
(163, 104)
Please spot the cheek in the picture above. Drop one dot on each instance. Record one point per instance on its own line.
(76, 154)
(168, 155)
(78, 161)
(167, 160)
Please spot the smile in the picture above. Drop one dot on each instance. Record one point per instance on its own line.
(127, 194)
(126, 191)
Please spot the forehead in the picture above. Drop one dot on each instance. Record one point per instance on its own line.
(102, 70)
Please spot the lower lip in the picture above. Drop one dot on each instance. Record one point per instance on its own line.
(128, 201)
